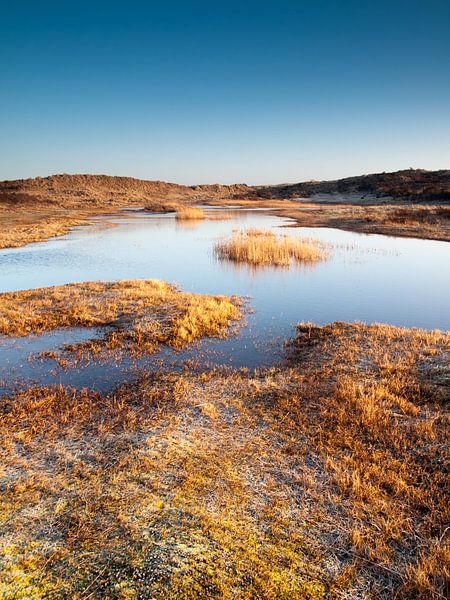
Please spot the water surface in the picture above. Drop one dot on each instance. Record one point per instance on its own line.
(370, 278)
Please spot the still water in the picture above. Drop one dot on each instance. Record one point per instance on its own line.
(368, 278)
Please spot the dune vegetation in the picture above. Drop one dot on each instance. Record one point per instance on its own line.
(257, 247)
(139, 314)
(323, 478)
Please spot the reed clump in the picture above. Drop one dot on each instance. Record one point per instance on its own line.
(257, 247)
(189, 213)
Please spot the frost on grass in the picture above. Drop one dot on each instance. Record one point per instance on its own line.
(140, 314)
(321, 479)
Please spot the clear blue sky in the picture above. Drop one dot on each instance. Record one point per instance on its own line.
(230, 91)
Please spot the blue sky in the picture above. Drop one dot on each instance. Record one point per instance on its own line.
(254, 92)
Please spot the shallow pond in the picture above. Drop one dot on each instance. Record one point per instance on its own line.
(369, 278)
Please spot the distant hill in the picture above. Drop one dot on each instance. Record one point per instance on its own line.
(74, 191)
(416, 185)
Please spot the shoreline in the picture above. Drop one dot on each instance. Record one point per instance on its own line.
(20, 227)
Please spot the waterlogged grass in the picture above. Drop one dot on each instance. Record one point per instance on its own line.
(140, 314)
(257, 247)
(322, 479)
(189, 213)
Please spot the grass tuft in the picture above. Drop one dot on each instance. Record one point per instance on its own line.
(189, 213)
(257, 247)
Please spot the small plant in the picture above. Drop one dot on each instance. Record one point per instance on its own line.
(266, 248)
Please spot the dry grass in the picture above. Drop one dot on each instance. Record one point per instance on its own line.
(256, 203)
(189, 213)
(20, 227)
(426, 222)
(257, 247)
(417, 215)
(323, 479)
(141, 314)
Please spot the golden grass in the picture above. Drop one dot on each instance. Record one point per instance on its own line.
(265, 248)
(189, 213)
(21, 227)
(322, 479)
(142, 314)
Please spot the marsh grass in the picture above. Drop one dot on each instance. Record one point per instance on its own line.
(257, 247)
(25, 227)
(189, 213)
(139, 314)
(322, 479)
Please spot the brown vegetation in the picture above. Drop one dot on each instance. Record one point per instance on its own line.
(323, 479)
(238, 204)
(430, 215)
(20, 226)
(428, 222)
(265, 248)
(139, 314)
(75, 191)
(190, 213)
(416, 185)
(86, 191)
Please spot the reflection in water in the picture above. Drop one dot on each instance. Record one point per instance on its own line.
(187, 223)
(252, 270)
(255, 249)
(370, 278)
